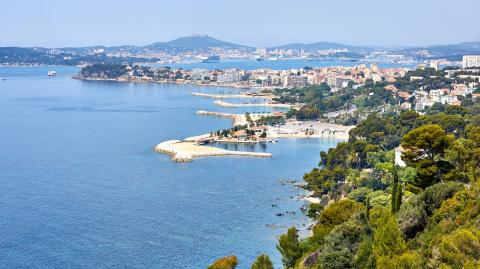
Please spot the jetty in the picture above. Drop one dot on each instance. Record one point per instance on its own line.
(237, 119)
(234, 96)
(226, 104)
(182, 151)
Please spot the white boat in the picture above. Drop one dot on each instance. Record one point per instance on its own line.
(52, 73)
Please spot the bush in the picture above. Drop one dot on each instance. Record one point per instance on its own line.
(378, 198)
(262, 262)
(228, 262)
(434, 196)
(307, 113)
(412, 217)
(360, 194)
(457, 250)
(289, 246)
(333, 215)
(314, 210)
(335, 259)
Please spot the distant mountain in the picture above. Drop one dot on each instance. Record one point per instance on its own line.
(449, 51)
(194, 43)
(204, 43)
(323, 46)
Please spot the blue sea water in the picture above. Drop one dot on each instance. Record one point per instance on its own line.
(81, 187)
(275, 65)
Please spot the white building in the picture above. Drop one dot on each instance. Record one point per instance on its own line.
(230, 75)
(261, 52)
(471, 61)
(199, 74)
(435, 65)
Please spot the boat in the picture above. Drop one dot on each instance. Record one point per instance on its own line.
(211, 59)
(52, 73)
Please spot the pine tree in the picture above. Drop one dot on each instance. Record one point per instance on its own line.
(262, 262)
(289, 247)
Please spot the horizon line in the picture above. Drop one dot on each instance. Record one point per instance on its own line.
(239, 44)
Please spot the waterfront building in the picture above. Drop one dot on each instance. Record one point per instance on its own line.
(471, 61)
(261, 52)
(229, 76)
(199, 74)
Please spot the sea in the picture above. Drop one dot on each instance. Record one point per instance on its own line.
(81, 186)
(249, 64)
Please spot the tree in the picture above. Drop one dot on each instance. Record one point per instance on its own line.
(288, 245)
(433, 196)
(425, 150)
(308, 113)
(464, 154)
(342, 243)
(364, 259)
(408, 260)
(291, 113)
(333, 215)
(387, 239)
(436, 108)
(396, 190)
(262, 262)
(412, 217)
(248, 118)
(461, 249)
(456, 110)
(228, 262)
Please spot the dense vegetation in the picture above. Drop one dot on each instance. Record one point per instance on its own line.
(108, 71)
(71, 57)
(378, 213)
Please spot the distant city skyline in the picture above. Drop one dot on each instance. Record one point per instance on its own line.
(265, 23)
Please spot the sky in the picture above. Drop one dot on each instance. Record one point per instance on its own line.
(259, 23)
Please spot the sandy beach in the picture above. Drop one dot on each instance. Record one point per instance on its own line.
(182, 151)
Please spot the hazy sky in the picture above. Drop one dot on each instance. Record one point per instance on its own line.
(57, 23)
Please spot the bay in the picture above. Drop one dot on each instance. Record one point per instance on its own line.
(81, 187)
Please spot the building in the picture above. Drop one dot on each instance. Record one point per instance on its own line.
(435, 65)
(406, 106)
(261, 52)
(229, 76)
(199, 74)
(295, 81)
(471, 61)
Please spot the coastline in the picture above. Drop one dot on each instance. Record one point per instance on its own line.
(178, 81)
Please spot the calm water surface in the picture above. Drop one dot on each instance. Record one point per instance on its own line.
(80, 186)
(275, 65)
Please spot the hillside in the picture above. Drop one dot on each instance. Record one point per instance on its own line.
(194, 43)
